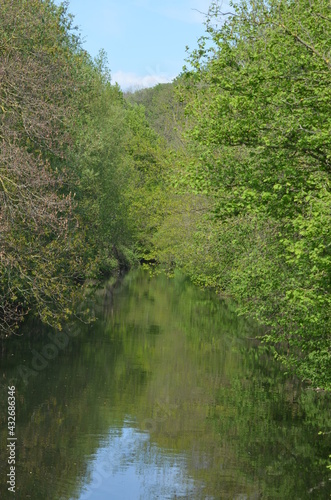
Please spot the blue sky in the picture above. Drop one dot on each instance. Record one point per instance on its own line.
(145, 40)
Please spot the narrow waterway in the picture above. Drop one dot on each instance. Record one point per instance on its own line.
(165, 396)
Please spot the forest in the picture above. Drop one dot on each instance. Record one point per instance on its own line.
(223, 173)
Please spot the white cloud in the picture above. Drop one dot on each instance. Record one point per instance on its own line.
(132, 81)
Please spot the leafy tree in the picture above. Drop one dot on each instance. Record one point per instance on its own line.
(104, 171)
(164, 112)
(258, 97)
(38, 61)
(76, 164)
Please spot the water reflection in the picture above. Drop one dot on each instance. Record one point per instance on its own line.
(162, 398)
(130, 466)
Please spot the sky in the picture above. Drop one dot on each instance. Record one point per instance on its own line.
(144, 40)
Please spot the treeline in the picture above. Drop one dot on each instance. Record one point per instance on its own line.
(72, 151)
(248, 205)
(223, 174)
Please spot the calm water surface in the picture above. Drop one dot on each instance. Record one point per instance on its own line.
(165, 396)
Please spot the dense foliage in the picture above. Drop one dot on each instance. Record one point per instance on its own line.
(248, 204)
(224, 174)
(38, 63)
(258, 106)
(68, 164)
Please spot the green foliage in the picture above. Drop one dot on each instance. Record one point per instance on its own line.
(103, 170)
(234, 191)
(40, 248)
(258, 131)
(76, 162)
(163, 111)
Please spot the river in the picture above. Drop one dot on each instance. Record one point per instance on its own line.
(165, 396)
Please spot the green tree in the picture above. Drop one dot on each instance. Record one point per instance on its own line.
(258, 96)
(39, 56)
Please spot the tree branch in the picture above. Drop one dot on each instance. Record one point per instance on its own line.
(305, 44)
(221, 13)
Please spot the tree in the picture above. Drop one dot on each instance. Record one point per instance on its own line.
(38, 65)
(258, 96)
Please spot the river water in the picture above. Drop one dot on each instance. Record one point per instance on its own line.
(165, 396)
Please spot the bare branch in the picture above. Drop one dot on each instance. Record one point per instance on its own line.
(221, 13)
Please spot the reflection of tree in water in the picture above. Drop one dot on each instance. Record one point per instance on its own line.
(170, 363)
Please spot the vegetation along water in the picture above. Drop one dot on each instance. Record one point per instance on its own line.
(221, 178)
